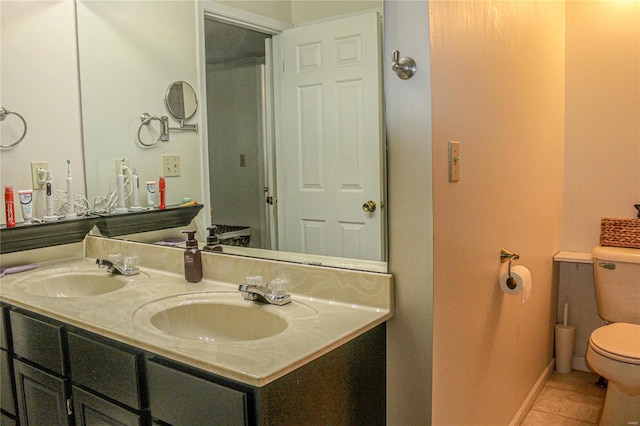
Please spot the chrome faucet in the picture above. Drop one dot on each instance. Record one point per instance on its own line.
(273, 293)
(123, 268)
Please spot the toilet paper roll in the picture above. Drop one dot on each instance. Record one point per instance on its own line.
(521, 277)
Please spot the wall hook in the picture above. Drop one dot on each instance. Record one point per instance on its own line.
(404, 67)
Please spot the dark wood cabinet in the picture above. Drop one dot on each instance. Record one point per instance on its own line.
(68, 376)
(43, 398)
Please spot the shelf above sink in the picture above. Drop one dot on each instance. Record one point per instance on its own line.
(113, 225)
(38, 235)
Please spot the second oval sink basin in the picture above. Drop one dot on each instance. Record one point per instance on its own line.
(210, 321)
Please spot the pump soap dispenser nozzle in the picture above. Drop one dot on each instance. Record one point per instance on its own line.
(192, 259)
(213, 244)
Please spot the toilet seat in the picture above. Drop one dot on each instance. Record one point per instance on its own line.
(619, 341)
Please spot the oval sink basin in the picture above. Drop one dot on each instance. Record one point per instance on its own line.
(71, 284)
(218, 316)
(210, 321)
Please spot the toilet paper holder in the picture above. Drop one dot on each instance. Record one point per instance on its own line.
(506, 255)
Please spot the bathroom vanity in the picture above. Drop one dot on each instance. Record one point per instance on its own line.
(108, 355)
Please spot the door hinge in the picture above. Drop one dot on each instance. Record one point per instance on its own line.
(69, 407)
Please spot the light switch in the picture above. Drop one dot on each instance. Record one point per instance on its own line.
(454, 161)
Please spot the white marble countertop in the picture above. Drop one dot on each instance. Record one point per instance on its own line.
(316, 325)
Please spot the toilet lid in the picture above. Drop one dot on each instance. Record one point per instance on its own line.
(620, 341)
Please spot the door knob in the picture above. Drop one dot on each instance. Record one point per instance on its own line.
(369, 206)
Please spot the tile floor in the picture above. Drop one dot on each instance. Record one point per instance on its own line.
(567, 400)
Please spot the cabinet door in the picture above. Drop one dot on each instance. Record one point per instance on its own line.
(90, 410)
(42, 398)
(7, 400)
(6, 420)
(4, 343)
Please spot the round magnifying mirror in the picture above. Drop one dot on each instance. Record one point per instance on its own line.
(181, 100)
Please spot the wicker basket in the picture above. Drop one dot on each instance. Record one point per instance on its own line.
(620, 232)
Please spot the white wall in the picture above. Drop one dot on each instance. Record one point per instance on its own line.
(39, 80)
(126, 66)
(410, 207)
(236, 191)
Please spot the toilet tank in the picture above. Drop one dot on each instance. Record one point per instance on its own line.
(616, 272)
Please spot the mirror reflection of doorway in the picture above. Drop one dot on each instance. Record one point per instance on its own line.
(236, 85)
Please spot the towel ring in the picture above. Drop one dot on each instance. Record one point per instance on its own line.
(164, 129)
(3, 114)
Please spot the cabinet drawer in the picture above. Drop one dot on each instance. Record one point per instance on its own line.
(181, 399)
(90, 410)
(113, 372)
(38, 341)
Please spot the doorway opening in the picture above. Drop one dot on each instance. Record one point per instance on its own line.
(237, 84)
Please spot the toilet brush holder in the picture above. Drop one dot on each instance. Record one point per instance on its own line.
(565, 340)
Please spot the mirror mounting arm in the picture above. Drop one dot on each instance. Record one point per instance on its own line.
(185, 127)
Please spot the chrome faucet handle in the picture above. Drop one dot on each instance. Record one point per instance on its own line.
(125, 268)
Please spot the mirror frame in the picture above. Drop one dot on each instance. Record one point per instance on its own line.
(238, 17)
(168, 97)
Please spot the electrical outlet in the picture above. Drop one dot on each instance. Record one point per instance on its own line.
(35, 181)
(454, 161)
(171, 165)
(119, 164)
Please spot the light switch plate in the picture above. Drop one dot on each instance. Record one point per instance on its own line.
(454, 161)
(170, 165)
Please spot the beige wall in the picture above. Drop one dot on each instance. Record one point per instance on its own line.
(498, 88)
(602, 138)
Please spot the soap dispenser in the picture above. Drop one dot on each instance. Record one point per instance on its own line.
(213, 244)
(192, 259)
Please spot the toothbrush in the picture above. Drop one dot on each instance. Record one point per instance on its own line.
(71, 212)
(50, 216)
(122, 206)
(135, 188)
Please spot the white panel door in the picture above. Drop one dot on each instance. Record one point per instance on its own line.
(330, 155)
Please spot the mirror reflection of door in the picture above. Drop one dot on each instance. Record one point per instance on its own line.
(329, 158)
(325, 98)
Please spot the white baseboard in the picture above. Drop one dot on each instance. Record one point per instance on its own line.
(531, 398)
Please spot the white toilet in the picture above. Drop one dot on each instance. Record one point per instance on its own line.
(614, 349)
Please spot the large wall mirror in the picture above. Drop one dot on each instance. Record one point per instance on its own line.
(289, 159)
